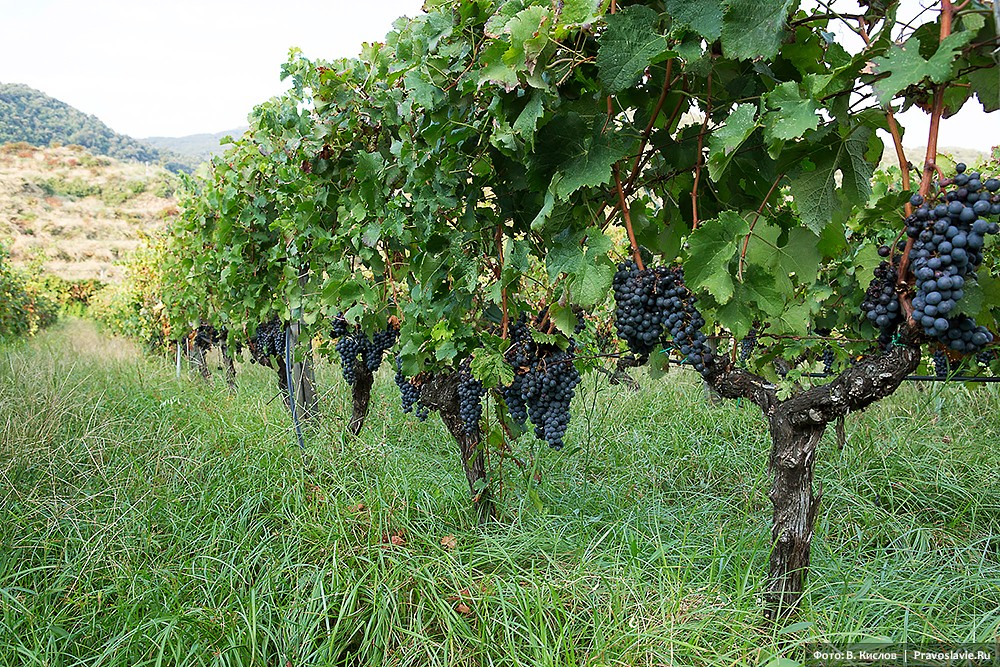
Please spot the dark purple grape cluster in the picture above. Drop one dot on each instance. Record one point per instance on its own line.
(748, 344)
(268, 342)
(948, 237)
(548, 389)
(881, 304)
(654, 302)
(353, 345)
(519, 356)
(206, 335)
(986, 357)
(349, 349)
(470, 398)
(545, 381)
(828, 358)
(942, 367)
(339, 327)
(409, 393)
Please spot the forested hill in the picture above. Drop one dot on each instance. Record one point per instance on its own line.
(30, 116)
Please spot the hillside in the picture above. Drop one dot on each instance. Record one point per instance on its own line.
(80, 211)
(35, 118)
(200, 146)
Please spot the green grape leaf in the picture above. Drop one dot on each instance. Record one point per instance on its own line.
(548, 339)
(906, 67)
(629, 45)
(711, 248)
(796, 254)
(753, 28)
(591, 166)
(985, 83)
(723, 142)
(576, 12)
(702, 16)
(814, 184)
(755, 298)
(529, 33)
(589, 270)
(527, 120)
(592, 282)
(564, 318)
(972, 302)
(489, 367)
(791, 115)
(495, 69)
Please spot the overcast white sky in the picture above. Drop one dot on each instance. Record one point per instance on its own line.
(178, 67)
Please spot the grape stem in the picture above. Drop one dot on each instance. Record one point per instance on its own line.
(930, 164)
(630, 181)
(760, 210)
(628, 220)
(700, 160)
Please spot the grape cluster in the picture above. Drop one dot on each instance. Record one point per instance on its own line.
(353, 345)
(747, 344)
(349, 349)
(881, 305)
(470, 398)
(268, 341)
(652, 302)
(942, 367)
(206, 335)
(409, 393)
(828, 358)
(544, 384)
(948, 236)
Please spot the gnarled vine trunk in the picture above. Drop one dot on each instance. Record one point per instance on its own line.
(230, 366)
(440, 393)
(796, 426)
(361, 394)
(197, 357)
(791, 465)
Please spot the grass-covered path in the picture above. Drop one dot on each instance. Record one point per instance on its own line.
(150, 520)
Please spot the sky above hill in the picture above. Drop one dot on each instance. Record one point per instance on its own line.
(191, 66)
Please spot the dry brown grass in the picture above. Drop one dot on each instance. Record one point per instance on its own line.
(80, 236)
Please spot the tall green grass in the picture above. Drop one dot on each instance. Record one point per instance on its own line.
(150, 520)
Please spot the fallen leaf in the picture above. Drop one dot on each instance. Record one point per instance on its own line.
(449, 542)
(463, 609)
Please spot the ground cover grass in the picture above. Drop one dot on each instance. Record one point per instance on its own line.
(151, 520)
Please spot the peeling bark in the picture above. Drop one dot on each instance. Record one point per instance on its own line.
(791, 465)
(440, 392)
(197, 357)
(227, 362)
(361, 394)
